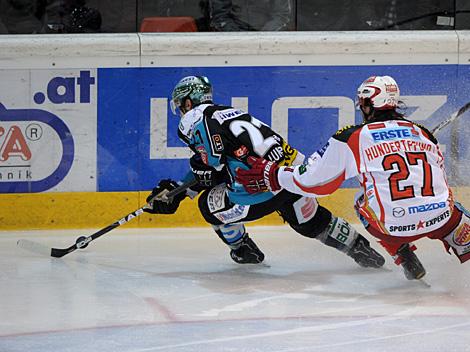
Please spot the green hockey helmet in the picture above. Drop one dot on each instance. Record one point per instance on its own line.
(196, 88)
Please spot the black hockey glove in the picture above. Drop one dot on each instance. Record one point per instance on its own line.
(206, 175)
(160, 203)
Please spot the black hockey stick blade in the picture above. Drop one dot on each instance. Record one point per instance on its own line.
(83, 241)
(59, 252)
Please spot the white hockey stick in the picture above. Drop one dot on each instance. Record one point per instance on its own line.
(451, 119)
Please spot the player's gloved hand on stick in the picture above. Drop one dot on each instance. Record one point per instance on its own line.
(261, 177)
(206, 175)
(159, 203)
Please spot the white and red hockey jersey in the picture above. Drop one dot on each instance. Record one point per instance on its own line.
(400, 169)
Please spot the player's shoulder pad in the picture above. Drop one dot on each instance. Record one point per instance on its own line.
(344, 133)
(426, 132)
(209, 111)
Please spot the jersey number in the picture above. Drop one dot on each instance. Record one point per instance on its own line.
(259, 143)
(396, 161)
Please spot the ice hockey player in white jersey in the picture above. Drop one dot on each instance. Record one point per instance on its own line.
(405, 195)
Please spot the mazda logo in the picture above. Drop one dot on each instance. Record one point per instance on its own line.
(398, 212)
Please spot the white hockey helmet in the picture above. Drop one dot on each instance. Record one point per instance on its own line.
(380, 92)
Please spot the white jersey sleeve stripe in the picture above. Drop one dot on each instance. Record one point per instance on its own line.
(322, 189)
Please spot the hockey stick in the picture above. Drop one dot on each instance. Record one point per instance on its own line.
(83, 241)
(451, 119)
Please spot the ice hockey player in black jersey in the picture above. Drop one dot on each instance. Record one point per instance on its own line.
(222, 138)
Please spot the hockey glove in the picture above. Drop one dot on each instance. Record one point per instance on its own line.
(261, 177)
(206, 175)
(159, 203)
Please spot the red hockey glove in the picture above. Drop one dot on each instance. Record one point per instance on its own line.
(261, 177)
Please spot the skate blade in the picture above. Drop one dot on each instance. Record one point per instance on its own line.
(424, 283)
(255, 265)
(263, 265)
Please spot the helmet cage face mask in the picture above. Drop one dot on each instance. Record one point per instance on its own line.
(196, 88)
(378, 92)
(175, 107)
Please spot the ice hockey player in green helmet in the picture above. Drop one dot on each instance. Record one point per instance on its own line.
(221, 139)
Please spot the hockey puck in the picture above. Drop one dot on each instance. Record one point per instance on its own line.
(80, 239)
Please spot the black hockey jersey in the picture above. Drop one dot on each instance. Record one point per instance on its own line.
(226, 136)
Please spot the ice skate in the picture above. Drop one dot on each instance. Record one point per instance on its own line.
(364, 255)
(412, 267)
(247, 252)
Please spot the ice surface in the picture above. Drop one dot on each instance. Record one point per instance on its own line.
(178, 290)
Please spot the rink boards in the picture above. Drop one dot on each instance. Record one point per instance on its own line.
(85, 122)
